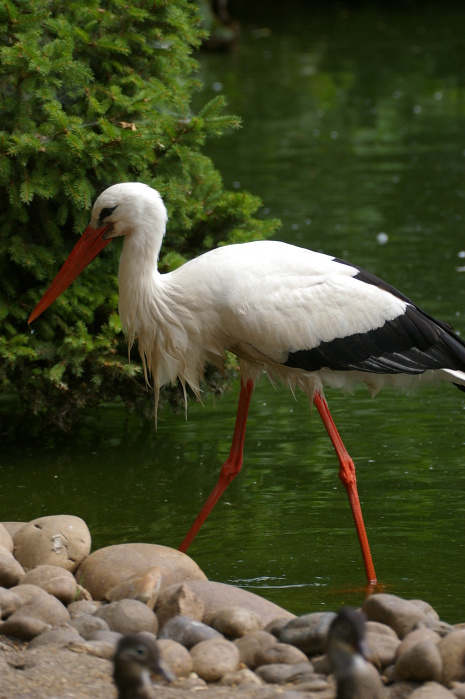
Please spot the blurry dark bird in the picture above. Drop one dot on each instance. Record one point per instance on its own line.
(346, 651)
(137, 657)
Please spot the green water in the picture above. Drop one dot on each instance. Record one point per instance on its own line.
(353, 133)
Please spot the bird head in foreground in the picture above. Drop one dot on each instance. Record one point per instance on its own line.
(119, 210)
(346, 651)
(137, 657)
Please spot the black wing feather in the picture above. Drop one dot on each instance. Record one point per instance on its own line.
(412, 343)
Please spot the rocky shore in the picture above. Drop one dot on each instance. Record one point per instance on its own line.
(63, 610)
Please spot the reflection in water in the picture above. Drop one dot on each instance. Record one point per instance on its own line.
(353, 136)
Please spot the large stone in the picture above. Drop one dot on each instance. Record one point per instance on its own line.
(55, 580)
(400, 614)
(113, 565)
(143, 587)
(58, 540)
(216, 596)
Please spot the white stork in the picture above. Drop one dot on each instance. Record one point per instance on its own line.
(303, 317)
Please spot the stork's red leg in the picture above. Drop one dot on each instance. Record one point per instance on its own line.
(347, 477)
(231, 466)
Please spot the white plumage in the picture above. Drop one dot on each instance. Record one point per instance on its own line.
(302, 317)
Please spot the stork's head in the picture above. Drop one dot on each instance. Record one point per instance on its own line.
(120, 210)
(125, 207)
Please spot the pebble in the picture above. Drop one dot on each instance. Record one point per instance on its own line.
(181, 601)
(88, 625)
(215, 658)
(252, 644)
(308, 632)
(280, 673)
(280, 653)
(176, 656)
(54, 598)
(128, 616)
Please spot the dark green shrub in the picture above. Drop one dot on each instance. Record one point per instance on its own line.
(92, 94)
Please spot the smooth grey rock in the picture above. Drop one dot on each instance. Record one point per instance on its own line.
(88, 625)
(281, 673)
(187, 631)
(308, 632)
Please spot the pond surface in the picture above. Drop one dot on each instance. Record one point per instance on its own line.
(354, 135)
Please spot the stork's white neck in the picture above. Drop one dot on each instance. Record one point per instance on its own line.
(138, 274)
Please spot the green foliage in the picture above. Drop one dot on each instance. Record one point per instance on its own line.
(92, 94)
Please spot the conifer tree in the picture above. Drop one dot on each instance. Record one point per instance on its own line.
(92, 94)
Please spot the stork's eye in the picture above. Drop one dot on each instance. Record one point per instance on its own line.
(105, 213)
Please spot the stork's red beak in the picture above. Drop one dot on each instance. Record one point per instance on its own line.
(88, 246)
